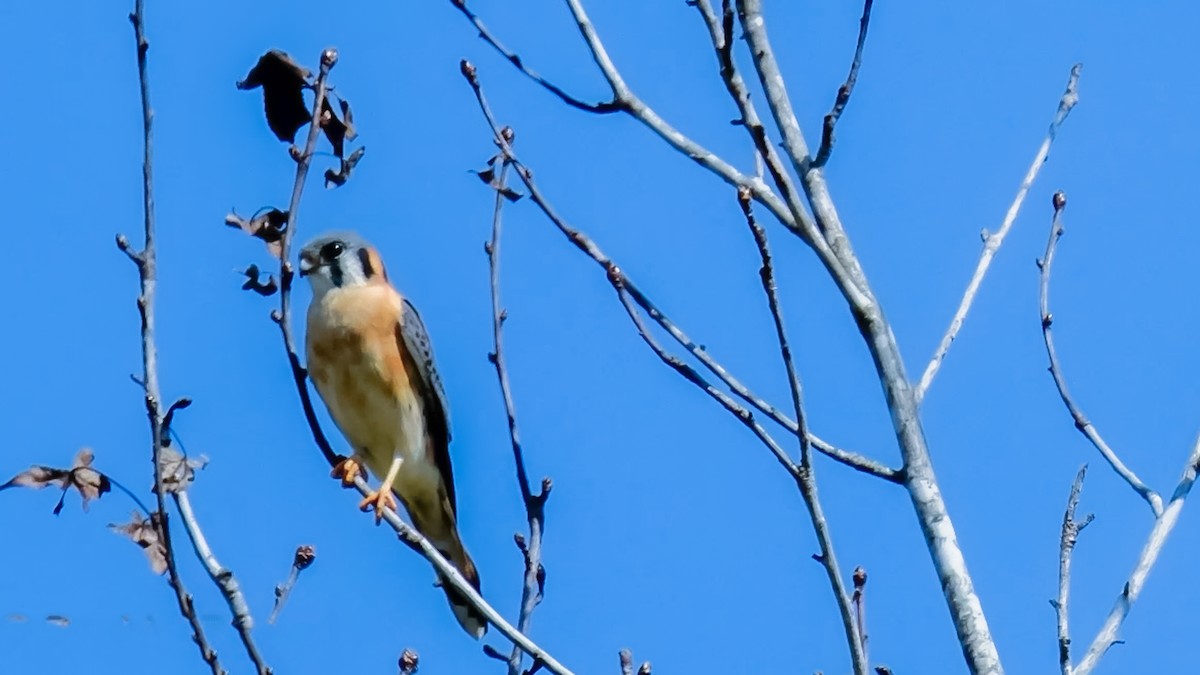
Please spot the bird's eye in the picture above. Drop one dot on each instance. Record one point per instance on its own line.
(332, 250)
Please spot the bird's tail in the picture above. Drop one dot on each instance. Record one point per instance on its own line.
(444, 536)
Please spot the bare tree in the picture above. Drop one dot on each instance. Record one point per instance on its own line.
(788, 186)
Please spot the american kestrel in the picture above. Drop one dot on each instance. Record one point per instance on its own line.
(372, 363)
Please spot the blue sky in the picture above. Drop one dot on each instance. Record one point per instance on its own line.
(670, 531)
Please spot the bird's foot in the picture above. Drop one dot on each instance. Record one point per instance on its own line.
(379, 500)
(348, 470)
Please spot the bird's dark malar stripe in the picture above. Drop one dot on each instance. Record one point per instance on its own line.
(364, 256)
(335, 273)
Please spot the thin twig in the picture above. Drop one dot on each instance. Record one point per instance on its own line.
(805, 477)
(1082, 423)
(515, 59)
(282, 316)
(243, 622)
(1070, 535)
(860, 608)
(147, 261)
(992, 242)
(304, 556)
(535, 505)
(1106, 637)
(844, 91)
(617, 279)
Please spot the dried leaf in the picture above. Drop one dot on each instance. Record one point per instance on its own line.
(492, 180)
(36, 477)
(255, 283)
(348, 119)
(268, 226)
(145, 534)
(283, 82)
(89, 482)
(178, 470)
(336, 131)
(169, 419)
(339, 178)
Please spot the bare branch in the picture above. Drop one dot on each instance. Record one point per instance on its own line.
(1070, 535)
(1081, 421)
(721, 33)
(1106, 637)
(755, 27)
(992, 242)
(224, 579)
(535, 505)
(966, 610)
(625, 286)
(450, 575)
(805, 478)
(303, 558)
(519, 64)
(844, 91)
(146, 261)
(626, 101)
(282, 316)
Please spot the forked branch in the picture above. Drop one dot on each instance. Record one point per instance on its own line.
(627, 286)
(1166, 516)
(533, 585)
(805, 477)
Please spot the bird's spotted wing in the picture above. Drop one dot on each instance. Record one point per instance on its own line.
(417, 351)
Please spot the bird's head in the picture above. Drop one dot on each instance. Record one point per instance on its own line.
(340, 260)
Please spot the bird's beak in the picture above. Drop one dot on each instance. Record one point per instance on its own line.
(307, 264)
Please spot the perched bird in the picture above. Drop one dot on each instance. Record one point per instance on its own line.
(372, 363)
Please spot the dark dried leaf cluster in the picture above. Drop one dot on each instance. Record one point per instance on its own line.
(88, 481)
(268, 226)
(255, 283)
(283, 82)
(338, 178)
(145, 534)
(337, 132)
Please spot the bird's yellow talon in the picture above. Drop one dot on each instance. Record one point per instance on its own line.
(348, 470)
(378, 500)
